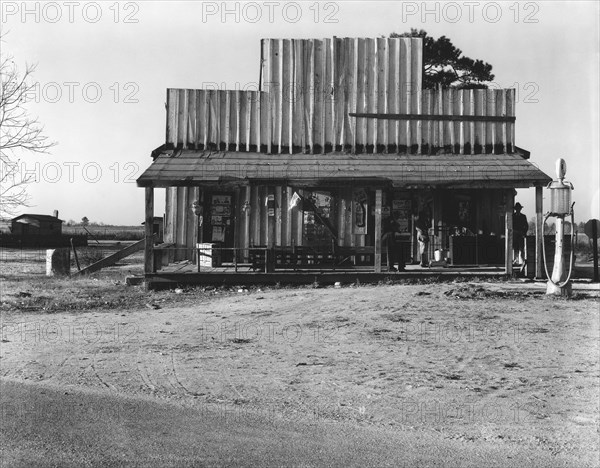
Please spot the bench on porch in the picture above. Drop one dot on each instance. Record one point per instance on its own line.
(264, 259)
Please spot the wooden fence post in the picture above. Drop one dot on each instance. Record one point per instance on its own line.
(148, 249)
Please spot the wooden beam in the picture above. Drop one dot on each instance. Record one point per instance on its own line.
(112, 259)
(248, 203)
(288, 217)
(237, 213)
(278, 215)
(324, 221)
(461, 118)
(299, 222)
(270, 214)
(539, 234)
(414, 244)
(508, 241)
(149, 245)
(255, 216)
(378, 202)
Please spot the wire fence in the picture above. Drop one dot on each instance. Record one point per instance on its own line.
(106, 233)
(32, 261)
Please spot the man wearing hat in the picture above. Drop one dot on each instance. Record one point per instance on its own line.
(520, 228)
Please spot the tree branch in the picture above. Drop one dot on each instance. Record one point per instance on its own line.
(19, 133)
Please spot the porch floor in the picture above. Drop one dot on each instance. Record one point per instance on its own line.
(186, 273)
(187, 267)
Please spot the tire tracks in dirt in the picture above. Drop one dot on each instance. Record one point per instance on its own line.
(110, 386)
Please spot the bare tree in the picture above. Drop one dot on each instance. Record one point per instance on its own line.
(20, 133)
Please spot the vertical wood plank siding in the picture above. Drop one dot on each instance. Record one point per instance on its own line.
(309, 88)
(181, 224)
(255, 228)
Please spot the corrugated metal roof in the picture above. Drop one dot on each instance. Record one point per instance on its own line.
(193, 168)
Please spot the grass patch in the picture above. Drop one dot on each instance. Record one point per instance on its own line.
(106, 292)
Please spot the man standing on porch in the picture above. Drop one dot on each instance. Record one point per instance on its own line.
(520, 228)
(391, 241)
(422, 225)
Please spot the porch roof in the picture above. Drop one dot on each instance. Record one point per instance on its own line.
(199, 167)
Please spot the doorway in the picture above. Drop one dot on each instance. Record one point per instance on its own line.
(219, 224)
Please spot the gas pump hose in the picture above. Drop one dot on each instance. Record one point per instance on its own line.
(571, 257)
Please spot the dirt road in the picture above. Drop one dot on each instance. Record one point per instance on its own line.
(46, 426)
(472, 364)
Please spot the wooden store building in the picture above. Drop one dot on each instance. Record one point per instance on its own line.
(299, 177)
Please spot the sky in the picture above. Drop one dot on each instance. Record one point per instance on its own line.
(103, 69)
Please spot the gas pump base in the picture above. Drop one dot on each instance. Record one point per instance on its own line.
(556, 290)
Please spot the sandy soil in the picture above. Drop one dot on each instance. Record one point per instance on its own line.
(466, 361)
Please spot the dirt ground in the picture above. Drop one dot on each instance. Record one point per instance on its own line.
(467, 361)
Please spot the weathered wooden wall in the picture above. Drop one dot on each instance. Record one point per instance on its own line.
(253, 227)
(181, 225)
(314, 84)
(464, 137)
(287, 226)
(215, 119)
(256, 228)
(310, 88)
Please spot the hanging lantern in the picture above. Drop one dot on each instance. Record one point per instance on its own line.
(197, 208)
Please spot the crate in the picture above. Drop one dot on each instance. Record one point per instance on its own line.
(209, 255)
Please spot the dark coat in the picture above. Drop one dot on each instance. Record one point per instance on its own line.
(520, 224)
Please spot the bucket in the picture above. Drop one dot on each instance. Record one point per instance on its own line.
(440, 255)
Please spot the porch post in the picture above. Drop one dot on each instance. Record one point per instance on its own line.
(270, 214)
(148, 250)
(508, 241)
(204, 216)
(539, 234)
(247, 211)
(378, 202)
(237, 213)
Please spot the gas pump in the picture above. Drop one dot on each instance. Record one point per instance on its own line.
(560, 207)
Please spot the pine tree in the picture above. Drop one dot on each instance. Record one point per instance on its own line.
(445, 65)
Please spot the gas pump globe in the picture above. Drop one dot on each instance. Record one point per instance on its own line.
(559, 283)
(560, 192)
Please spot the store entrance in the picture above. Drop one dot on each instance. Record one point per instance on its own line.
(219, 223)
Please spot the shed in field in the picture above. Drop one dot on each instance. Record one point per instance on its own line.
(36, 225)
(298, 176)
